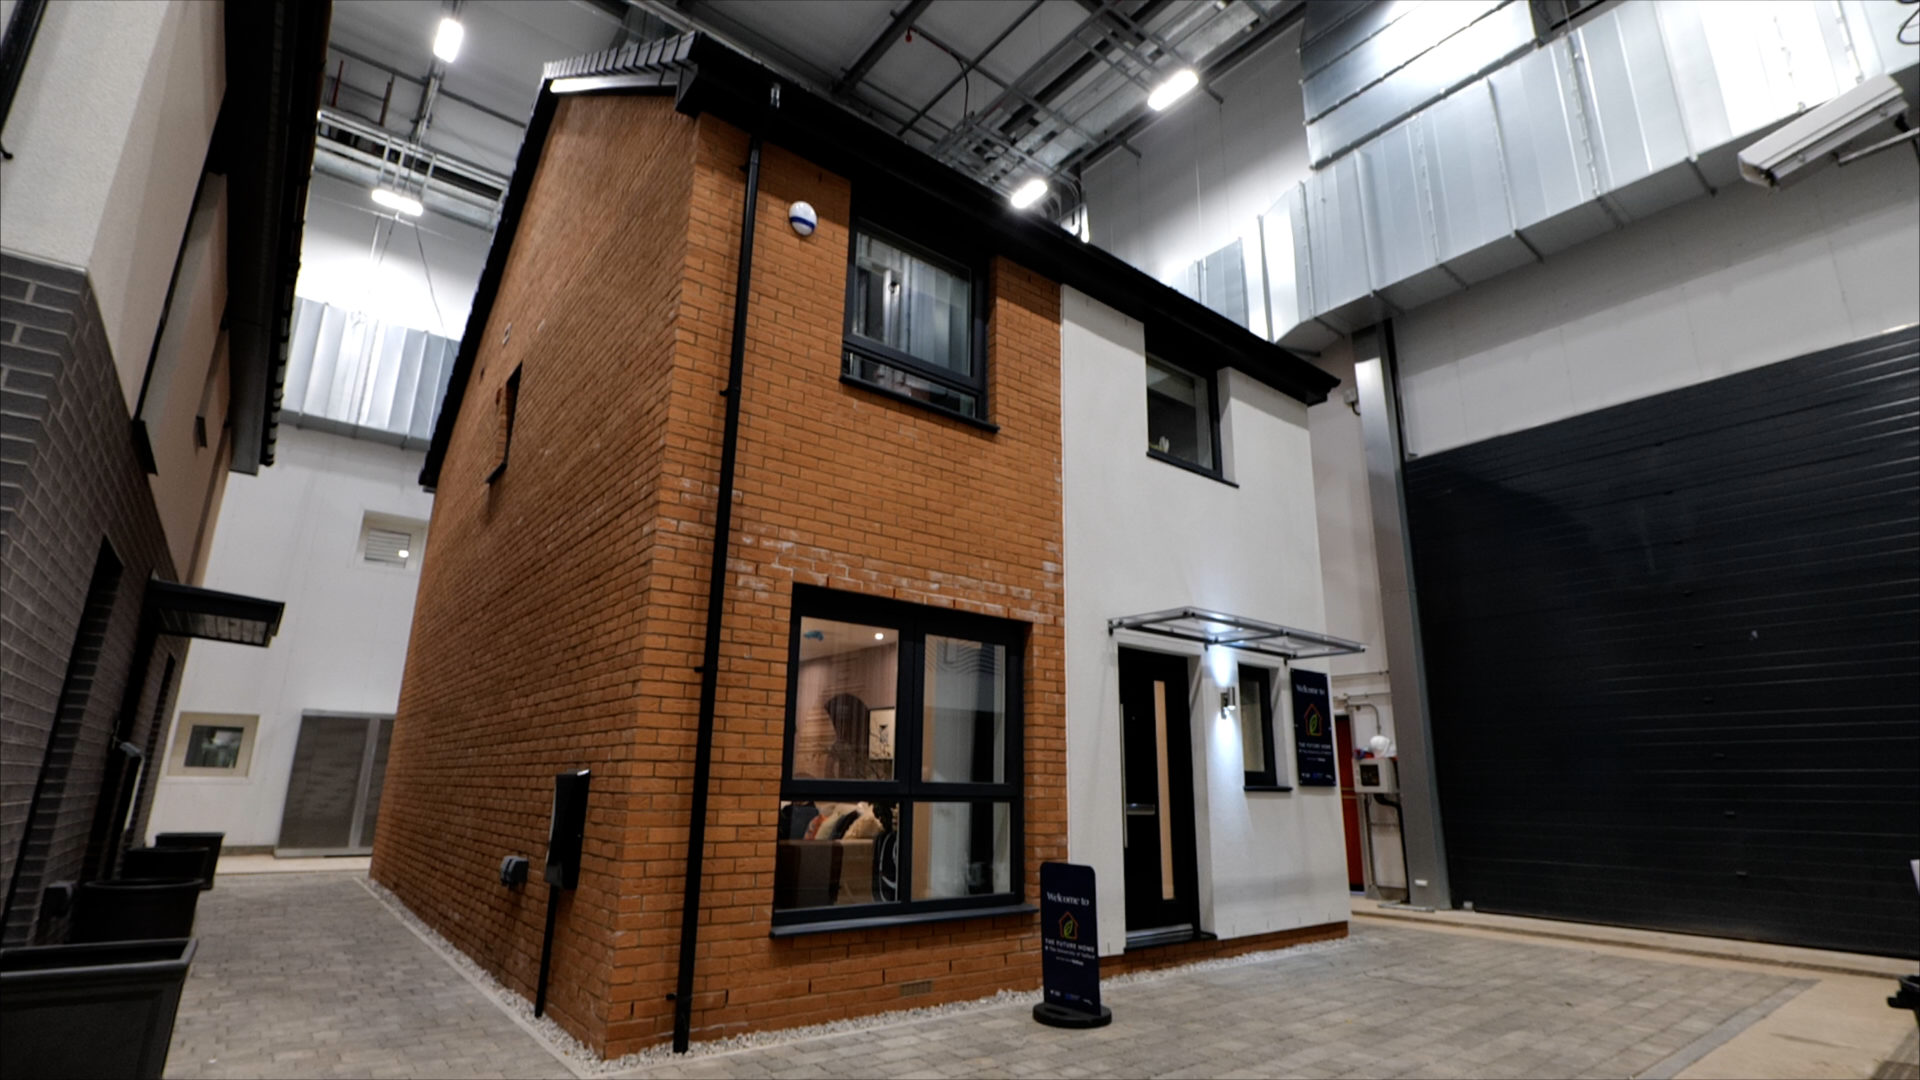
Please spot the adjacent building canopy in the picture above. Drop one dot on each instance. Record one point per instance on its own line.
(189, 611)
(1237, 631)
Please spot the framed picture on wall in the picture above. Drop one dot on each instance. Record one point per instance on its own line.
(880, 734)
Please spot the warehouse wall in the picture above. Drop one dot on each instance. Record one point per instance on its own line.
(1705, 289)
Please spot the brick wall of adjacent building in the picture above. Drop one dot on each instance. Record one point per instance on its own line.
(561, 611)
(69, 482)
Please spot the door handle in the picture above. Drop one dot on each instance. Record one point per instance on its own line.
(1135, 809)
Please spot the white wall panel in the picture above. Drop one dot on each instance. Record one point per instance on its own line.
(1142, 535)
(1713, 286)
(291, 534)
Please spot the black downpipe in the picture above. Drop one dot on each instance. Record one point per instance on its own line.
(22, 27)
(716, 593)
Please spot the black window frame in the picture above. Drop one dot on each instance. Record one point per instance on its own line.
(1209, 378)
(913, 623)
(955, 258)
(1268, 777)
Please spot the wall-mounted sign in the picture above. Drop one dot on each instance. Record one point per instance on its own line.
(1313, 730)
(1069, 949)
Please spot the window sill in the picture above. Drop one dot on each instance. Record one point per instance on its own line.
(1190, 467)
(876, 922)
(891, 395)
(1268, 787)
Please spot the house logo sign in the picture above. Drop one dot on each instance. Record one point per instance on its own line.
(1069, 927)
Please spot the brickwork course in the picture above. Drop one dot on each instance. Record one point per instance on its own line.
(71, 488)
(562, 608)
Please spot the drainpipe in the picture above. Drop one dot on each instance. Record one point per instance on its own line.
(716, 592)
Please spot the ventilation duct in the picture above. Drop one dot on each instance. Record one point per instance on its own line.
(1641, 108)
(353, 375)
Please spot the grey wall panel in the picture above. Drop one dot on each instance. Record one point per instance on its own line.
(1397, 44)
(1454, 62)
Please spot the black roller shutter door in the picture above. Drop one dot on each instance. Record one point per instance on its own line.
(1673, 656)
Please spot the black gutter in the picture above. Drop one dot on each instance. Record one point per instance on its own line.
(716, 595)
(22, 27)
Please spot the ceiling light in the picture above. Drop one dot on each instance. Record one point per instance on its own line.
(1028, 193)
(446, 40)
(1173, 89)
(403, 553)
(880, 635)
(393, 200)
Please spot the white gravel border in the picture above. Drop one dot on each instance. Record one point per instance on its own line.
(584, 1063)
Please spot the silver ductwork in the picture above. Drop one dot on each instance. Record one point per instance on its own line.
(1637, 110)
(370, 156)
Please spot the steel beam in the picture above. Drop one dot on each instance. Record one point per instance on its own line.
(901, 22)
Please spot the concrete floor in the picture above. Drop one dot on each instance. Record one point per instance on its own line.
(309, 974)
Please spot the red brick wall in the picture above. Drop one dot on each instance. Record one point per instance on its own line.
(561, 611)
(527, 647)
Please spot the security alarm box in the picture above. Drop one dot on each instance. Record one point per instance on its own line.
(1376, 776)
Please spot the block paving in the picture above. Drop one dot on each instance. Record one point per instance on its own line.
(307, 975)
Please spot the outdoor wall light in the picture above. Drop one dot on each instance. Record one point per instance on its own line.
(1028, 193)
(1222, 666)
(393, 200)
(1175, 88)
(447, 39)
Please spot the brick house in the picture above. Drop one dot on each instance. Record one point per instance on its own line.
(903, 702)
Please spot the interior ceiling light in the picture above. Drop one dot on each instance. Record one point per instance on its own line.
(447, 39)
(393, 200)
(880, 635)
(403, 553)
(1175, 88)
(1028, 193)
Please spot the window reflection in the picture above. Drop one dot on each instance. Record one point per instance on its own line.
(963, 739)
(844, 708)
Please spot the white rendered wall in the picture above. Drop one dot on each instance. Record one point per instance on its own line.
(1206, 170)
(1705, 289)
(1142, 535)
(346, 263)
(292, 534)
(109, 131)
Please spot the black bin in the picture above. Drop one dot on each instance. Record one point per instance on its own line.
(172, 863)
(132, 909)
(100, 1010)
(211, 841)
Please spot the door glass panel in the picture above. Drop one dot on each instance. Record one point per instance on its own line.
(1253, 723)
(832, 853)
(961, 849)
(1166, 804)
(376, 783)
(844, 701)
(964, 733)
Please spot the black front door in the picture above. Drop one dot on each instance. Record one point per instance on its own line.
(1157, 781)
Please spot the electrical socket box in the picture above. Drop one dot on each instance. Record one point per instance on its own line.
(1376, 776)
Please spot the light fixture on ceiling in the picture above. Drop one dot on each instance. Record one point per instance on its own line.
(403, 553)
(1028, 193)
(1175, 88)
(447, 39)
(395, 201)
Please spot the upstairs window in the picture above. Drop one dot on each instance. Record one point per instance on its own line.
(1180, 417)
(915, 324)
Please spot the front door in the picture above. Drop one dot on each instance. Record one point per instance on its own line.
(1157, 780)
(1350, 805)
